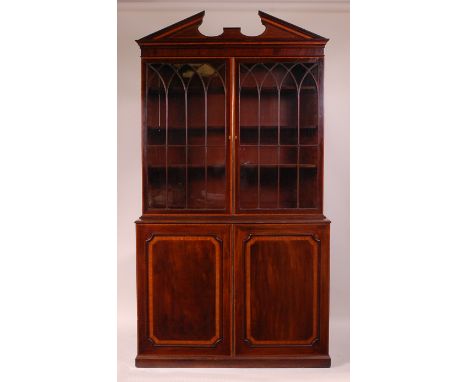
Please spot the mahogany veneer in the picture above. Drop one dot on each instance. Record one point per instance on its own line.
(232, 246)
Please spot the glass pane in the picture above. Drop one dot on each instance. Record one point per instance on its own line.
(156, 156)
(195, 101)
(307, 187)
(288, 135)
(196, 136)
(186, 135)
(309, 155)
(216, 156)
(249, 135)
(249, 187)
(268, 187)
(288, 187)
(269, 96)
(155, 109)
(268, 155)
(216, 110)
(309, 135)
(156, 192)
(216, 136)
(248, 107)
(288, 155)
(248, 155)
(269, 135)
(195, 109)
(176, 110)
(288, 109)
(216, 189)
(176, 187)
(308, 109)
(156, 136)
(215, 194)
(196, 187)
(176, 156)
(196, 156)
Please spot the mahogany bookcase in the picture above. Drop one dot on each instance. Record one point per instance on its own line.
(232, 246)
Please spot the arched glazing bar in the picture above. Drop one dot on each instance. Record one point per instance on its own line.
(179, 157)
(284, 152)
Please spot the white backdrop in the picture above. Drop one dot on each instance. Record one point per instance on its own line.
(330, 20)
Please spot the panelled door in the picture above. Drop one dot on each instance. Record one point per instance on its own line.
(281, 299)
(184, 289)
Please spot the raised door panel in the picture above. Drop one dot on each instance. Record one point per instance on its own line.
(183, 281)
(281, 289)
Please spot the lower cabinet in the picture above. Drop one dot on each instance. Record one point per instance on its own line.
(232, 295)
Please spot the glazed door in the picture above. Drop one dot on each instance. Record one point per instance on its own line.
(281, 299)
(183, 289)
(279, 136)
(186, 155)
